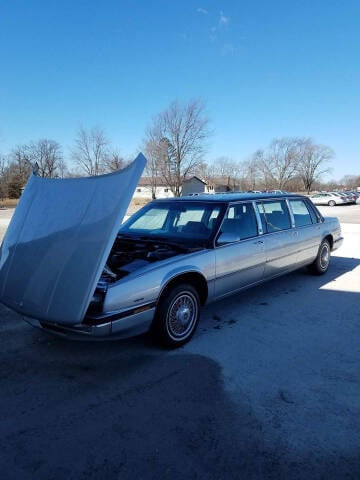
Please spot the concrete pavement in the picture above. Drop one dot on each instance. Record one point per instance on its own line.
(268, 388)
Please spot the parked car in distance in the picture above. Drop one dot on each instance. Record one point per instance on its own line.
(351, 197)
(356, 195)
(275, 191)
(74, 272)
(345, 197)
(327, 198)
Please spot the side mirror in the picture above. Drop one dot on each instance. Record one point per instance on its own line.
(227, 237)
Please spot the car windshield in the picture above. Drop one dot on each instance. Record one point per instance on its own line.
(181, 222)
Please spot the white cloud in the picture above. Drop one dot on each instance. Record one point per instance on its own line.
(202, 11)
(228, 49)
(213, 34)
(223, 19)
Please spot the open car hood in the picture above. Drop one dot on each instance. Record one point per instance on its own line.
(58, 241)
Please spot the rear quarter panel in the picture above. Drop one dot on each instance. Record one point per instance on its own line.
(331, 227)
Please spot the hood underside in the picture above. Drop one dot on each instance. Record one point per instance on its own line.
(59, 239)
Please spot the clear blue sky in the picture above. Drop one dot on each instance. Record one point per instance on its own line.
(264, 69)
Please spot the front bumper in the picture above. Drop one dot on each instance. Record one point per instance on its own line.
(115, 325)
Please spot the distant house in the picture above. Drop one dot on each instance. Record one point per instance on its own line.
(222, 184)
(144, 188)
(160, 188)
(193, 185)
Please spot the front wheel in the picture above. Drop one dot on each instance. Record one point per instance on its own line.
(321, 263)
(177, 316)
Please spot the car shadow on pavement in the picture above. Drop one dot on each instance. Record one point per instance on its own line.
(154, 416)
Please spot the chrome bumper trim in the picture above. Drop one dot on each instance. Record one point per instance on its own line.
(337, 243)
(124, 327)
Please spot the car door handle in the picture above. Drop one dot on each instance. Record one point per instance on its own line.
(259, 242)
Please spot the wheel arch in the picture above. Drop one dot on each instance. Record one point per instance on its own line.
(330, 239)
(195, 279)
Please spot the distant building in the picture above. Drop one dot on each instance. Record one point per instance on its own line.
(144, 189)
(222, 184)
(149, 187)
(193, 185)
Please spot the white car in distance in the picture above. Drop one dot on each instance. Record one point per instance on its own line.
(328, 198)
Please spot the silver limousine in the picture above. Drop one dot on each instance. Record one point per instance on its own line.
(70, 266)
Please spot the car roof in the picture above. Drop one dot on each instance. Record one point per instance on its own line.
(229, 197)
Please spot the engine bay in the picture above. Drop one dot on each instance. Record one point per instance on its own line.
(129, 254)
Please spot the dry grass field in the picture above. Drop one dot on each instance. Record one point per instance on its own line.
(8, 202)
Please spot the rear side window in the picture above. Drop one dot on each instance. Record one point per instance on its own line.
(315, 215)
(301, 213)
(274, 216)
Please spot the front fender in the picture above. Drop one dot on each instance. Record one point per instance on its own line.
(147, 286)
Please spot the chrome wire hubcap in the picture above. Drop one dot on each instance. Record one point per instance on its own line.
(182, 315)
(324, 257)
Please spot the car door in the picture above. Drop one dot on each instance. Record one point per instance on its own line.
(240, 262)
(308, 230)
(280, 239)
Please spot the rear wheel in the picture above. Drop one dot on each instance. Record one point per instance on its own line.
(321, 263)
(177, 316)
(331, 203)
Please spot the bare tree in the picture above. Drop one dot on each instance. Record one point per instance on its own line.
(21, 162)
(3, 177)
(49, 157)
(114, 161)
(295, 184)
(177, 139)
(289, 160)
(227, 171)
(279, 164)
(350, 181)
(62, 169)
(19, 169)
(204, 171)
(313, 162)
(152, 165)
(90, 150)
(252, 171)
(226, 167)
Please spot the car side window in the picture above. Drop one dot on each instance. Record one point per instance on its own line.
(213, 218)
(274, 216)
(301, 213)
(241, 220)
(315, 217)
